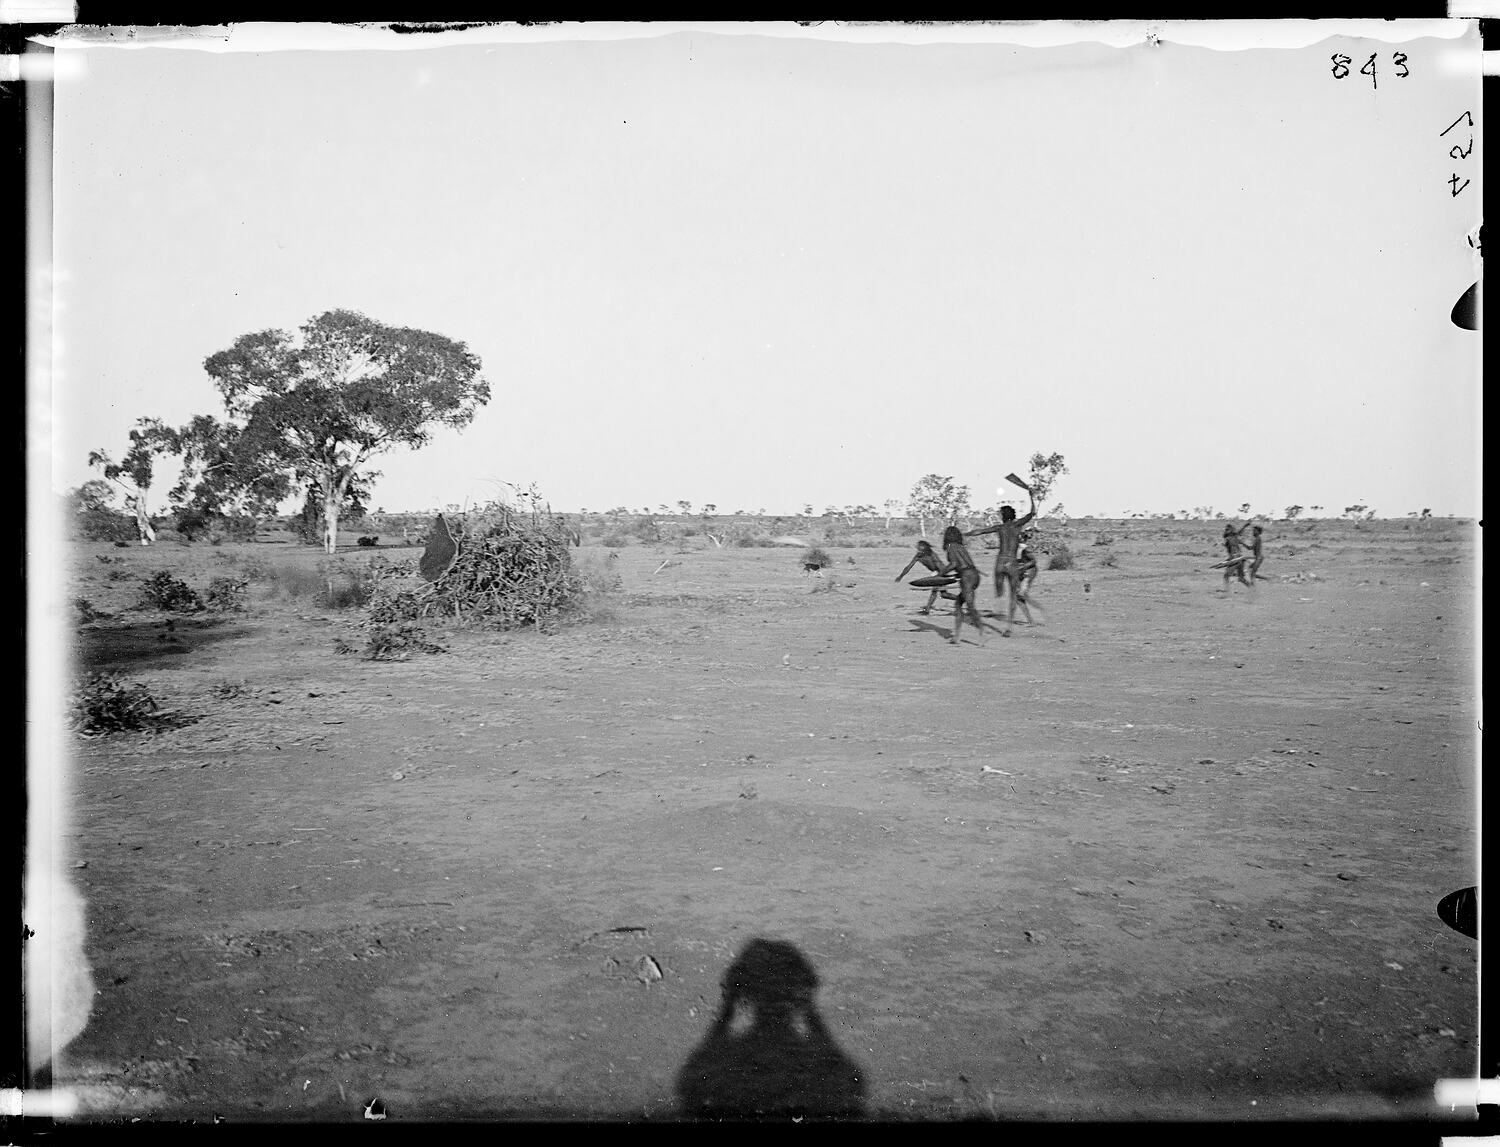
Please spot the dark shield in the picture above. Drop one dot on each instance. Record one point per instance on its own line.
(937, 581)
(441, 552)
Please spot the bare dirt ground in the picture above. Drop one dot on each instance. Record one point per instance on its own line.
(1202, 884)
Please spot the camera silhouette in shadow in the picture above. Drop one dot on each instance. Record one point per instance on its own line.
(769, 1055)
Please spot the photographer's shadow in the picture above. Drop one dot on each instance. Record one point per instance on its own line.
(769, 1054)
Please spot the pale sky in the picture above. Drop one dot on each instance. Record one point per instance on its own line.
(762, 272)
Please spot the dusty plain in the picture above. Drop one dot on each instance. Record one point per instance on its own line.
(1170, 853)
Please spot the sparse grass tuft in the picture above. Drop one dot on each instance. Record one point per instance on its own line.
(329, 586)
(85, 611)
(295, 582)
(1107, 559)
(348, 588)
(600, 581)
(229, 689)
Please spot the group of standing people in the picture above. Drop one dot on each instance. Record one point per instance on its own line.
(1014, 566)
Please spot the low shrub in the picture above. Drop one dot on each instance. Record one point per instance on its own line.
(1104, 539)
(291, 582)
(163, 591)
(234, 528)
(252, 566)
(368, 541)
(350, 587)
(228, 594)
(1108, 560)
(103, 704)
(816, 556)
(331, 585)
(759, 541)
(100, 525)
(1061, 558)
(392, 643)
(599, 581)
(614, 540)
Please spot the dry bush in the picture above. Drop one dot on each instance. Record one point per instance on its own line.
(816, 556)
(228, 594)
(103, 704)
(392, 642)
(163, 591)
(512, 570)
(1060, 558)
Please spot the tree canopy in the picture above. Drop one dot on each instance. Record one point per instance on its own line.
(310, 409)
(936, 496)
(1043, 472)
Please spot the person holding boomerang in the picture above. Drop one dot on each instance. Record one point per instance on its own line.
(1007, 562)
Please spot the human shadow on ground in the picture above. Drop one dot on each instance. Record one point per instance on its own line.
(768, 1054)
(943, 631)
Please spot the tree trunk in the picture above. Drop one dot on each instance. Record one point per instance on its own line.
(333, 495)
(143, 519)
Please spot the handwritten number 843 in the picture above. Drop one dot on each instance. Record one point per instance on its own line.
(1341, 67)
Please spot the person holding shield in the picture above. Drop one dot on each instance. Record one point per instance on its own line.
(1234, 564)
(928, 558)
(961, 563)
